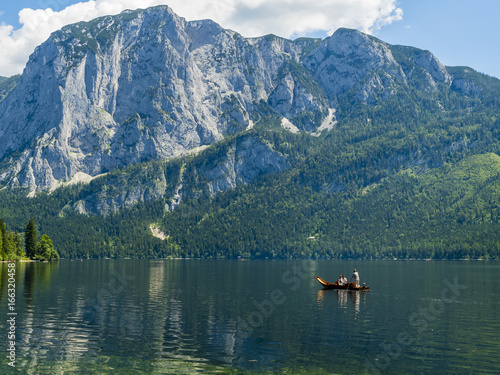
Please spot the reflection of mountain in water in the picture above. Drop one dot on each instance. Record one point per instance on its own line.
(185, 317)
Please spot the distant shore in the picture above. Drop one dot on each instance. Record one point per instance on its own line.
(243, 259)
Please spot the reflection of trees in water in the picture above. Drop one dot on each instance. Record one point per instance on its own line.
(192, 317)
(3, 280)
(169, 316)
(151, 312)
(69, 326)
(29, 275)
(29, 281)
(37, 274)
(38, 321)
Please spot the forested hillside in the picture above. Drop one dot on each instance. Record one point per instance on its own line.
(416, 177)
(184, 139)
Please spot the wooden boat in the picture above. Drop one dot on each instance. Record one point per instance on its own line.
(349, 286)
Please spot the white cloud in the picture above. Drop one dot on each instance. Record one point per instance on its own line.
(286, 18)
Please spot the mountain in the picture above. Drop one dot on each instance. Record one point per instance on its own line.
(245, 146)
(148, 85)
(144, 85)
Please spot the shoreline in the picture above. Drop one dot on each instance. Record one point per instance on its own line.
(22, 261)
(259, 259)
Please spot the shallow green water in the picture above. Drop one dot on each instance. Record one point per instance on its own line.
(202, 316)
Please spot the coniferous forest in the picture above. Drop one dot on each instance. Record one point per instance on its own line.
(11, 244)
(415, 176)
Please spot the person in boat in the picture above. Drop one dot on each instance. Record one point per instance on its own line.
(355, 276)
(340, 281)
(344, 280)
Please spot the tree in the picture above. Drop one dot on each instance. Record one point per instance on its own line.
(30, 245)
(1, 248)
(2, 253)
(3, 234)
(17, 243)
(3, 231)
(45, 250)
(10, 247)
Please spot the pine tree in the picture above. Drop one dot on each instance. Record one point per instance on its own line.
(30, 239)
(45, 249)
(10, 247)
(17, 242)
(1, 248)
(3, 235)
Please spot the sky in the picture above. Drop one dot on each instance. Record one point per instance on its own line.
(457, 32)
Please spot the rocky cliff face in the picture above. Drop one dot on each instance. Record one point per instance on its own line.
(139, 86)
(240, 161)
(148, 85)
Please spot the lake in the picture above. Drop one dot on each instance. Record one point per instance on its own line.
(221, 316)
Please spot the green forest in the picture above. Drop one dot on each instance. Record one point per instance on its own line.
(416, 176)
(11, 244)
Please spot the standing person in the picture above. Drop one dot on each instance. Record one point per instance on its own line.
(355, 276)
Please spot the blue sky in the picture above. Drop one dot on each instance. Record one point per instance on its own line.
(458, 32)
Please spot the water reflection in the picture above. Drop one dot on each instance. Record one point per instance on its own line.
(29, 281)
(27, 276)
(342, 297)
(345, 298)
(185, 317)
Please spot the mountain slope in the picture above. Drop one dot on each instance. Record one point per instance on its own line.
(451, 212)
(441, 214)
(148, 85)
(144, 85)
(343, 147)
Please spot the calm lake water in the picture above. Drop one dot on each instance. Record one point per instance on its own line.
(203, 316)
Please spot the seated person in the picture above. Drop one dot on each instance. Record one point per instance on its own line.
(340, 281)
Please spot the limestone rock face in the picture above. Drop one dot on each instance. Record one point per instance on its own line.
(368, 69)
(241, 161)
(422, 69)
(148, 85)
(299, 98)
(244, 161)
(350, 59)
(140, 86)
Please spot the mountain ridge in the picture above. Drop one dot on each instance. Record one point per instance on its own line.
(149, 85)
